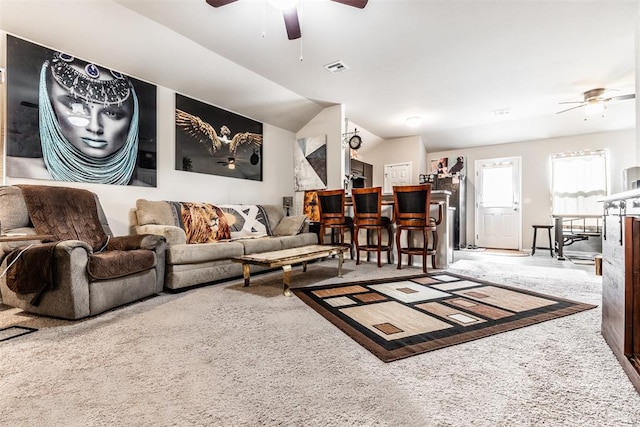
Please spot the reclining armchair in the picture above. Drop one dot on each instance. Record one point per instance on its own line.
(62, 259)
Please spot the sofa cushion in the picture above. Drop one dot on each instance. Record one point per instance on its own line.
(299, 240)
(203, 252)
(154, 212)
(114, 264)
(290, 225)
(265, 244)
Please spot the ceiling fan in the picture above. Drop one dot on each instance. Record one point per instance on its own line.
(290, 12)
(595, 100)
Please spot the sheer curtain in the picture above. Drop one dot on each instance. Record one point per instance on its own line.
(578, 180)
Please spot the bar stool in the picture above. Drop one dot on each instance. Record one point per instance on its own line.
(411, 212)
(367, 215)
(535, 235)
(331, 206)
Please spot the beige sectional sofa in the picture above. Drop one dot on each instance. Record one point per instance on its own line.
(254, 229)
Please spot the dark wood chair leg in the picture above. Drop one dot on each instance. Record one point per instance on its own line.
(351, 242)
(379, 232)
(398, 235)
(425, 249)
(435, 245)
(390, 241)
(357, 230)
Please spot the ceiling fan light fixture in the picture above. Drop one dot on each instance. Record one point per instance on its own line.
(594, 108)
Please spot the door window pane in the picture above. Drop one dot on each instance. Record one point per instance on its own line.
(497, 186)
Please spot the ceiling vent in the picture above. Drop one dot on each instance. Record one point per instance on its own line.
(337, 67)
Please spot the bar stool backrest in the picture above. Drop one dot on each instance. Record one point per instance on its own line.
(331, 204)
(367, 205)
(411, 204)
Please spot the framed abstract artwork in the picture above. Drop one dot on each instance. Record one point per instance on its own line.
(216, 142)
(310, 163)
(69, 119)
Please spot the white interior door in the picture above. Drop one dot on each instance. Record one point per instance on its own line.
(498, 214)
(396, 174)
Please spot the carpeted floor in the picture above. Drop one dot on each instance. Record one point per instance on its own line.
(225, 355)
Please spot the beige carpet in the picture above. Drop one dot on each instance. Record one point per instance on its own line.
(225, 355)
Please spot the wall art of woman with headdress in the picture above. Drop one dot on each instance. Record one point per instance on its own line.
(89, 121)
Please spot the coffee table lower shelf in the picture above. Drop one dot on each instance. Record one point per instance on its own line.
(286, 258)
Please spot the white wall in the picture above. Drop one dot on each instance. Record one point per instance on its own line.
(400, 150)
(536, 170)
(100, 40)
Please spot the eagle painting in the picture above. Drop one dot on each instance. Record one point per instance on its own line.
(235, 155)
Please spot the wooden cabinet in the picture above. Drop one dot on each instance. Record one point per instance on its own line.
(621, 281)
(362, 174)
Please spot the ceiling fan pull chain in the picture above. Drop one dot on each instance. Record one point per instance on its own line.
(264, 13)
(300, 8)
(301, 56)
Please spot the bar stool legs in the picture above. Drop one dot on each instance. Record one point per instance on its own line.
(535, 236)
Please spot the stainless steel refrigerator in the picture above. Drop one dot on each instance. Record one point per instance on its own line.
(456, 184)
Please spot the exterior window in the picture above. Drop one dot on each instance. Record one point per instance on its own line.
(578, 180)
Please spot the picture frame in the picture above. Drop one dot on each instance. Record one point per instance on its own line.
(215, 141)
(58, 129)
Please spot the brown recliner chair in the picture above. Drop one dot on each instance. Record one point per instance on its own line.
(79, 269)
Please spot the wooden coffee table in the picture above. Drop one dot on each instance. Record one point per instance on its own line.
(287, 257)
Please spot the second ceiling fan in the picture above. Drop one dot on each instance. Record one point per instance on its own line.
(290, 14)
(596, 99)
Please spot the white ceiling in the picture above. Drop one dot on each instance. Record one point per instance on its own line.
(451, 62)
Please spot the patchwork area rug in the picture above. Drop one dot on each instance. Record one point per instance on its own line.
(394, 319)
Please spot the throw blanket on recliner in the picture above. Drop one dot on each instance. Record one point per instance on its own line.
(65, 213)
(32, 271)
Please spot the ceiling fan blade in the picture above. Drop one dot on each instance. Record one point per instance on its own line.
(360, 4)
(572, 108)
(218, 3)
(291, 23)
(623, 97)
(571, 102)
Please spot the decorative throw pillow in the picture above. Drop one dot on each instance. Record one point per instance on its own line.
(204, 223)
(290, 225)
(154, 212)
(246, 220)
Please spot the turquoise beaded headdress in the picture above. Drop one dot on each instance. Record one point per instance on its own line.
(64, 161)
(88, 86)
